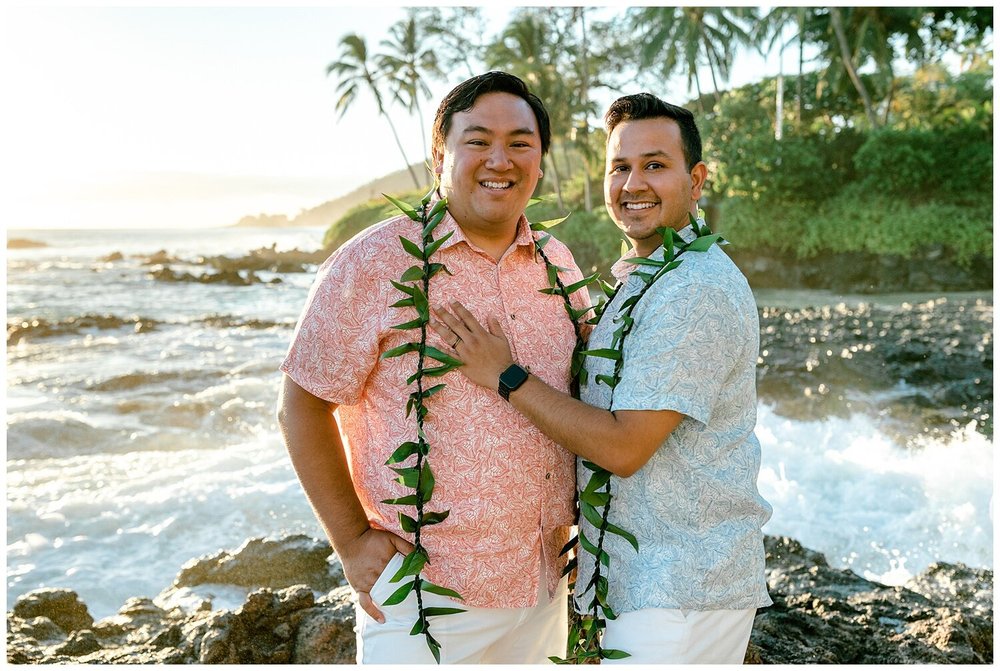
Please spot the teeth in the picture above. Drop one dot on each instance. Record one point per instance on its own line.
(638, 206)
(497, 185)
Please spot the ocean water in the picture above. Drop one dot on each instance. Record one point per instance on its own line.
(141, 430)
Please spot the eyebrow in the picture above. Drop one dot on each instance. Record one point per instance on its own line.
(484, 129)
(647, 154)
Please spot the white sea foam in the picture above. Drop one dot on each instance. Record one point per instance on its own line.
(884, 510)
(131, 453)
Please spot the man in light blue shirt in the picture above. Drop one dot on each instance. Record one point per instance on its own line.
(677, 430)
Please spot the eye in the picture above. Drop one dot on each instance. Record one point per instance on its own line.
(477, 143)
(618, 168)
(655, 165)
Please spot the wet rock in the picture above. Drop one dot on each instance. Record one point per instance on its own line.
(157, 258)
(61, 606)
(39, 629)
(112, 257)
(820, 615)
(269, 259)
(862, 272)
(815, 360)
(24, 243)
(326, 633)
(956, 585)
(230, 277)
(21, 329)
(80, 643)
(826, 615)
(265, 562)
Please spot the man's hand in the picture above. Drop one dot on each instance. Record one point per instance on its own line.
(485, 353)
(365, 558)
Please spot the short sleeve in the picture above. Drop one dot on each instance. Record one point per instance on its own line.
(336, 342)
(681, 350)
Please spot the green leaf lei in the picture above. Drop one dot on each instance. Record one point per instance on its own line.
(595, 499)
(584, 636)
(414, 284)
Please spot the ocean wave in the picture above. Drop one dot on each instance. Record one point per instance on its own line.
(32, 328)
(39, 327)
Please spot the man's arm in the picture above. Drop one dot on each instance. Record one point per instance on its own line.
(317, 453)
(621, 441)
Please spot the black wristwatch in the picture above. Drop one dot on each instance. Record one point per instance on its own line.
(511, 379)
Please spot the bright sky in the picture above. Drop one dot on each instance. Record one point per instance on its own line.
(123, 117)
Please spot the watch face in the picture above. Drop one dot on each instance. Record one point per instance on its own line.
(511, 379)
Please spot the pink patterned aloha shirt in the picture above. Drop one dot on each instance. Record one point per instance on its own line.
(508, 487)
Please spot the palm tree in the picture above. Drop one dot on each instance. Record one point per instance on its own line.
(529, 48)
(769, 32)
(847, 59)
(687, 37)
(354, 74)
(460, 33)
(406, 63)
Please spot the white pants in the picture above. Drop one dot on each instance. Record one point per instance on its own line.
(664, 636)
(477, 636)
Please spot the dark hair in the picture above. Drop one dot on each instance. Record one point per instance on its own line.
(647, 106)
(464, 96)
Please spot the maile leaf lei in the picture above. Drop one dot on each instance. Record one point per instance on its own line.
(418, 476)
(584, 645)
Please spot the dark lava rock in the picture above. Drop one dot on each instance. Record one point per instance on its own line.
(825, 615)
(230, 277)
(24, 243)
(41, 629)
(269, 259)
(61, 606)
(264, 562)
(80, 643)
(820, 615)
(21, 329)
(815, 360)
(863, 272)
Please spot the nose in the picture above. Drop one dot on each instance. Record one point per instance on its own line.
(497, 158)
(635, 182)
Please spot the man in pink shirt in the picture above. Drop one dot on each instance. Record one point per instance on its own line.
(508, 488)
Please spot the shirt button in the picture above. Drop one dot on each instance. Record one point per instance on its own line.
(513, 317)
(548, 476)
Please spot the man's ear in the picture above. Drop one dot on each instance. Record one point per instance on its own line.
(699, 173)
(437, 158)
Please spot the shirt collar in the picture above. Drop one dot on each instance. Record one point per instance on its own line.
(523, 237)
(622, 267)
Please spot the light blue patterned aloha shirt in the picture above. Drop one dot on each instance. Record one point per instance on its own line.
(694, 506)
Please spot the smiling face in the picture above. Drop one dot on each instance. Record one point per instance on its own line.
(489, 164)
(647, 184)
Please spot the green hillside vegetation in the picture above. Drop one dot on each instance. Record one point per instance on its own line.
(869, 147)
(923, 186)
(331, 210)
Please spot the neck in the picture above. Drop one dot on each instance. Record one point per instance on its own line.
(493, 242)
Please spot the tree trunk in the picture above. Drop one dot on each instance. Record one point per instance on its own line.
(779, 104)
(423, 131)
(845, 55)
(584, 95)
(711, 70)
(416, 182)
(565, 153)
(798, 79)
(395, 135)
(557, 181)
(888, 102)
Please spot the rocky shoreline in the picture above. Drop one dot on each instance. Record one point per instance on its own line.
(278, 601)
